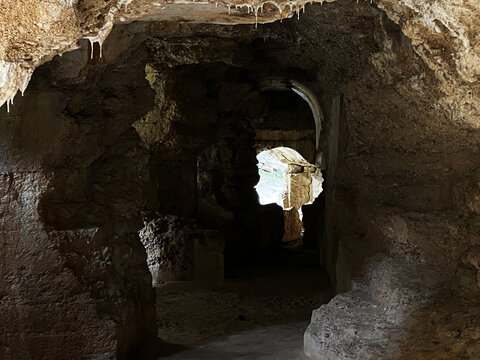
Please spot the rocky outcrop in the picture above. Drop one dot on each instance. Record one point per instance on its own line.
(444, 35)
(373, 319)
(178, 250)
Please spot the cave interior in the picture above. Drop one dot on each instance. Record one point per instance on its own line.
(230, 181)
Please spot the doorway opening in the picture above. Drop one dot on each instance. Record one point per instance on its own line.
(290, 181)
(225, 264)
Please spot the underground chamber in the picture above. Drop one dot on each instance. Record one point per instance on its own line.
(269, 180)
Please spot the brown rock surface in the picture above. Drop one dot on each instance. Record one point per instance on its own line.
(74, 278)
(177, 249)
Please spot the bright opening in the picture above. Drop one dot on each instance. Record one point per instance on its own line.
(272, 186)
(290, 181)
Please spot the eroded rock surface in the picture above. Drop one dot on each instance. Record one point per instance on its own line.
(177, 249)
(74, 278)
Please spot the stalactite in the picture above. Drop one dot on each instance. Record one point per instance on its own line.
(13, 77)
(289, 7)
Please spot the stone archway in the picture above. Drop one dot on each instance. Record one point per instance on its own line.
(278, 84)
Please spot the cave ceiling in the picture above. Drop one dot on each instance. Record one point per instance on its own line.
(445, 34)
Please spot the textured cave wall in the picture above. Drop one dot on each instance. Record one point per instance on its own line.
(74, 277)
(444, 34)
(404, 236)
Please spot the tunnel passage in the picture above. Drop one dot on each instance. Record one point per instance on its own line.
(234, 112)
(211, 179)
(206, 228)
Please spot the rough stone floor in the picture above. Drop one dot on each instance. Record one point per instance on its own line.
(259, 314)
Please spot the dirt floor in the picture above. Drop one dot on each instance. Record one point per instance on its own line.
(258, 314)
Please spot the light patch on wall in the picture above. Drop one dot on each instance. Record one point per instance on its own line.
(290, 181)
(272, 186)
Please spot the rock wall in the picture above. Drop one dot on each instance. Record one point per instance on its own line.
(398, 231)
(178, 250)
(74, 277)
